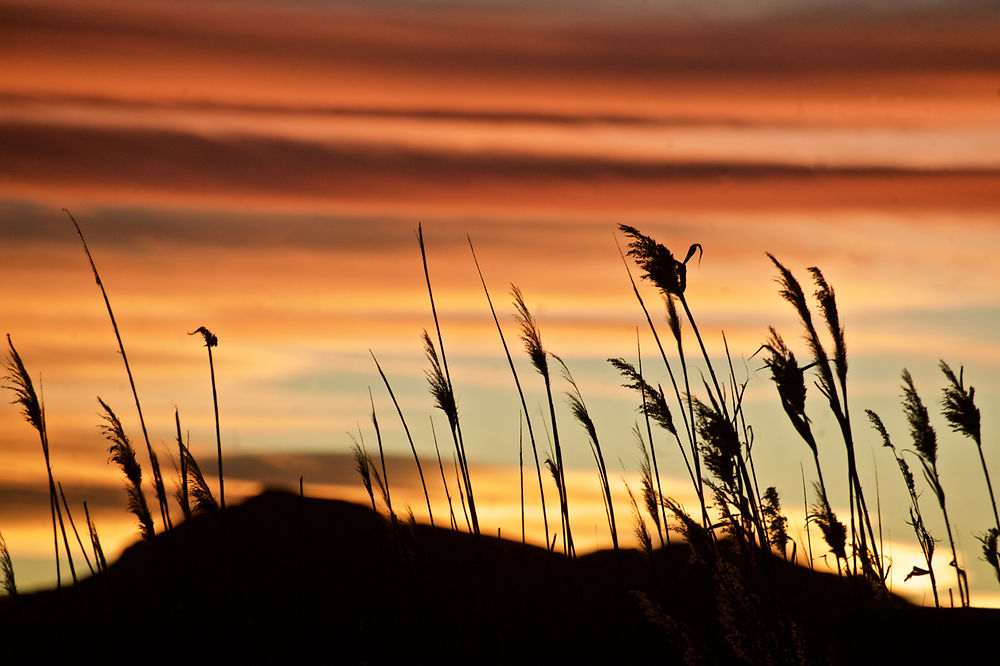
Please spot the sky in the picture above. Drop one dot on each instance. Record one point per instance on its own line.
(261, 169)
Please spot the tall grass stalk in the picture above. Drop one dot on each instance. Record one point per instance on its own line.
(520, 471)
(34, 413)
(384, 485)
(444, 480)
(520, 391)
(959, 409)
(443, 389)
(211, 340)
(579, 410)
(409, 438)
(161, 496)
(532, 338)
(650, 495)
(182, 493)
(95, 541)
(924, 538)
(688, 424)
(72, 525)
(925, 443)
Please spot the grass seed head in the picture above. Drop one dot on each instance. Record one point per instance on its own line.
(444, 397)
(123, 453)
(959, 404)
(7, 570)
(656, 405)
(924, 437)
(24, 389)
(530, 334)
(210, 339)
(657, 262)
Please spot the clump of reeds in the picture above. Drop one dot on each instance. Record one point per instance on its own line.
(925, 443)
(532, 339)
(831, 374)
(924, 538)
(34, 413)
(123, 454)
(670, 277)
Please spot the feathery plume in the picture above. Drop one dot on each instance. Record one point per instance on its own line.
(123, 454)
(7, 570)
(657, 262)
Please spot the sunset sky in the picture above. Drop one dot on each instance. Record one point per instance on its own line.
(260, 168)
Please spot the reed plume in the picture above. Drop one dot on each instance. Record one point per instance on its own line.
(197, 488)
(7, 571)
(776, 523)
(183, 497)
(363, 466)
(123, 454)
(639, 526)
(654, 407)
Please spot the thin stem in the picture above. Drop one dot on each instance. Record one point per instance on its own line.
(409, 438)
(520, 392)
(154, 465)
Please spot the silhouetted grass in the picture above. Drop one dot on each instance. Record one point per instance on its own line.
(730, 593)
(34, 413)
(161, 494)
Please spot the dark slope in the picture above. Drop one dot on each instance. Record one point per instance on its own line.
(330, 582)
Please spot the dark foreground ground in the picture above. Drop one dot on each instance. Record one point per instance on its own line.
(330, 582)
